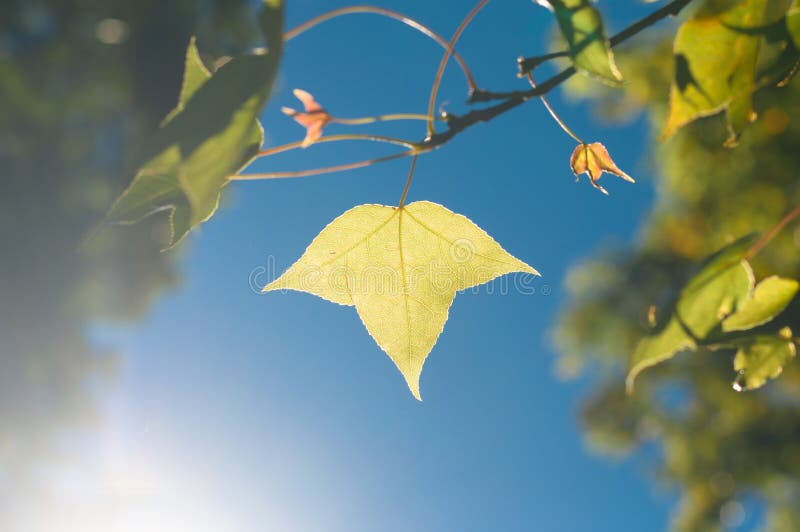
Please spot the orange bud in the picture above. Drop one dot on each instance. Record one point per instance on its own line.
(313, 119)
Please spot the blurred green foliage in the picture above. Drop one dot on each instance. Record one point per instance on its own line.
(715, 446)
(212, 133)
(83, 83)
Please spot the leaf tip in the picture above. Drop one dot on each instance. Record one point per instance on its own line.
(303, 96)
(630, 381)
(413, 385)
(527, 268)
(277, 284)
(669, 129)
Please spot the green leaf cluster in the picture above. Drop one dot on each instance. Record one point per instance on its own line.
(718, 308)
(211, 134)
(713, 446)
(722, 55)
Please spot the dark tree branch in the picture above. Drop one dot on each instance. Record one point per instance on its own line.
(457, 124)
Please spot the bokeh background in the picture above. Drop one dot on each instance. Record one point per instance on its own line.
(150, 391)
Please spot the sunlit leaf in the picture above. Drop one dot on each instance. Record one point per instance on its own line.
(657, 348)
(581, 25)
(793, 22)
(401, 268)
(715, 67)
(769, 298)
(211, 134)
(715, 292)
(195, 74)
(762, 358)
(593, 159)
(721, 287)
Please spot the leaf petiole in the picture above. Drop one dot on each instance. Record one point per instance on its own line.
(379, 118)
(769, 235)
(553, 113)
(338, 138)
(324, 170)
(408, 181)
(449, 50)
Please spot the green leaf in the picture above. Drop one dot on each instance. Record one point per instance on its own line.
(793, 22)
(715, 67)
(769, 298)
(581, 25)
(211, 134)
(721, 286)
(657, 348)
(401, 268)
(714, 293)
(195, 74)
(762, 358)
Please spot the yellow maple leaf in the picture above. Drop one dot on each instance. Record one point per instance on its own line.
(401, 268)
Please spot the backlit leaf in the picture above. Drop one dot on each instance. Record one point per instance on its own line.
(715, 67)
(400, 268)
(762, 358)
(195, 74)
(657, 348)
(769, 298)
(593, 159)
(793, 22)
(715, 292)
(211, 134)
(581, 25)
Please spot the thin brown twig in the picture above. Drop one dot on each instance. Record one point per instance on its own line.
(378, 118)
(408, 181)
(449, 50)
(337, 138)
(352, 10)
(514, 99)
(511, 100)
(671, 9)
(769, 235)
(320, 171)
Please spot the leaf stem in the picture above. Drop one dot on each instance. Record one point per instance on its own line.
(527, 64)
(408, 181)
(351, 10)
(320, 171)
(379, 118)
(449, 50)
(511, 100)
(769, 235)
(337, 138)
(671, 9)
(456, 124)
(553, 113)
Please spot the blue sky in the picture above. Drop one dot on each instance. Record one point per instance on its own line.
(244, 412)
